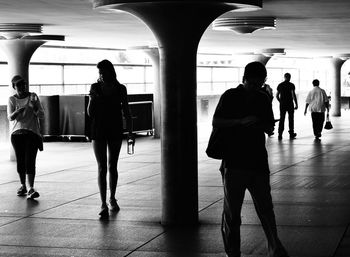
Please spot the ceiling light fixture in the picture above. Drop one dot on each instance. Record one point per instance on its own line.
(244, 25)
(31, 31)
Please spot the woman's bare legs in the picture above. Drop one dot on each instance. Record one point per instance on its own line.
(100, 150)
(113, 156)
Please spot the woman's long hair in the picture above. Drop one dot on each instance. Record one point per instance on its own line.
(108, 66)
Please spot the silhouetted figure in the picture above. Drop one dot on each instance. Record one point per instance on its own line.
(107, 102)
(286, 96)
(245, 114)
(317, 102)
(24, 111)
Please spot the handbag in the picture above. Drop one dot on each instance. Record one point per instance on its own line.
(328, 124)
(40, 142)
(216, 148)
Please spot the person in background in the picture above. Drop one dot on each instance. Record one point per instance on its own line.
(107, 102)
(24, 111)
(245, 114)
(286, 96)
(317, 102)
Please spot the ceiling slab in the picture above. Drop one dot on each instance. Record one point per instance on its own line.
(304, 27)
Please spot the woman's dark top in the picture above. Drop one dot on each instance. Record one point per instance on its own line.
(106, 117)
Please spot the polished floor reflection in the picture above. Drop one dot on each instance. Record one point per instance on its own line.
(311, 191)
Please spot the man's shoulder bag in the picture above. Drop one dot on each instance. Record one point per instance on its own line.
(217, 144)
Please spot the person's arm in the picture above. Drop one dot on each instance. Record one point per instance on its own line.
(306, 106)
(126, 110)
(230, 123)
(270, 91)
(91, 106)
(12, 112)
(278, 95)
(93, 99)
(38, 108)
(295, 99)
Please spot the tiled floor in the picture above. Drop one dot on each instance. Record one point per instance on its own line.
(310, 186)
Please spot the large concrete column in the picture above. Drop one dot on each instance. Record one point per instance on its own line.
(19, 52)
(335, 68)
(178, 27)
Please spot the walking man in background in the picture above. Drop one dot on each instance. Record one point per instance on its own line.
(317, 101)
(288, 102)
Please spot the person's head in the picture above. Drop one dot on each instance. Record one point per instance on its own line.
(106, 71)
(316, 82)
(254, 75)
(19, 84)
(287, 76)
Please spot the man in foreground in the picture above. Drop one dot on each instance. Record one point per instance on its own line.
(245, 114)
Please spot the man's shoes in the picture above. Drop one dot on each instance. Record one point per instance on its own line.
(22, 191)
(32, 194)
(317, 139)
(113, 205)
(293, 136)
(279, 137)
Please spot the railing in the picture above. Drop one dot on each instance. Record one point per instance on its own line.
(72, 89)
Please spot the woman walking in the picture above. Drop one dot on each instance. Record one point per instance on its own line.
(24, 111)
(107, 102)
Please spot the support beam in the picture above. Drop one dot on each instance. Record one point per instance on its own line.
(178, 27)
(335, 68)
(19, 52)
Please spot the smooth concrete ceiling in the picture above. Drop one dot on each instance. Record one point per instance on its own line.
(304, 27)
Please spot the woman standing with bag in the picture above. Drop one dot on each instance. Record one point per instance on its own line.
(24, 111)
(107, 102)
